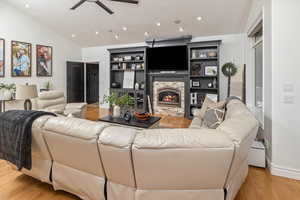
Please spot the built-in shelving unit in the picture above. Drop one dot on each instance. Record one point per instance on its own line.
(133, 60)
(203, 72)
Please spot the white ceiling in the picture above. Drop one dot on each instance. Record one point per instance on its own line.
(219, 17)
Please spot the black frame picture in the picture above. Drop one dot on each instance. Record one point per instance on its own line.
(44, 61)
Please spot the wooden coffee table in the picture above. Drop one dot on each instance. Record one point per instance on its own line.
(153, 122)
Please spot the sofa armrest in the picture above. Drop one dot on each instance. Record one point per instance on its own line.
(71, 106)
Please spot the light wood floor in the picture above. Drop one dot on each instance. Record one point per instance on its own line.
(260, 184)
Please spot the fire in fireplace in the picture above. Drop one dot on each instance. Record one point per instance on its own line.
(169, 97)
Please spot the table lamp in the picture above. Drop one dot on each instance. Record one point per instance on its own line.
(26, 92)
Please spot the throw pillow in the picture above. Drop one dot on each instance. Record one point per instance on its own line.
(206, 103)
(213, 117)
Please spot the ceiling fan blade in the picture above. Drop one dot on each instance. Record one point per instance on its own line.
(128, 1)
(104, 7)
(78, 4)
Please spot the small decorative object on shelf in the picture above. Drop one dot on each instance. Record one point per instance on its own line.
(196, 69)
(212, 54)
(142, 85)
(210, 85)
(196, 84)
(203, 55)
(133, 66)
(211, 71)
(121, 59)
(137, 58)
(138, 66)
(116, 59)
(127, 58)
(215, 83)
(124, 66)
(115, 85)
(137, 86)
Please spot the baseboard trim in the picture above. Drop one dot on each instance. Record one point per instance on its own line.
(284, 172)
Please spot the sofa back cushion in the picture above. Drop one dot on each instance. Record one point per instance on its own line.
(180, 159)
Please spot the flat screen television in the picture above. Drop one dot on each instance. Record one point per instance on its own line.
(173, 58)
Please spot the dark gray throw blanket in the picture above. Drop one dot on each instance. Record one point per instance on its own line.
(15, 136)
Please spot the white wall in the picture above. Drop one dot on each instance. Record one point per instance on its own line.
(281, 70)
(286, 70)
(15, 25)
(232, 49)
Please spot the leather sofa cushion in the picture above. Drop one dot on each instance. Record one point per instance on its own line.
(181, 138)
(75, 127)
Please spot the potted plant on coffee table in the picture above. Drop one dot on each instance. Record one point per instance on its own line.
(126, 103)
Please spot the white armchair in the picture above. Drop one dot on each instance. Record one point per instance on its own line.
(55, 101)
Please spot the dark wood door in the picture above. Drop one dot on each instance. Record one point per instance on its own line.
(75, 82)
(92, 83)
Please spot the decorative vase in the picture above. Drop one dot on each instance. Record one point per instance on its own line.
(116, 111)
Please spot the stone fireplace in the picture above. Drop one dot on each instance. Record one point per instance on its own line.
(168, 98)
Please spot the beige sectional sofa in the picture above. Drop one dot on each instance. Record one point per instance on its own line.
(90, 159)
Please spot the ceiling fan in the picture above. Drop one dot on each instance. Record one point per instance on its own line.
(103, 6)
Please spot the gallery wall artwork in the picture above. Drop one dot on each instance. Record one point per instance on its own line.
(2, 57)
(21, 59)
(44, 56)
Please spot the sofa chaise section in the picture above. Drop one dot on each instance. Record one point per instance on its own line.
(77, 166)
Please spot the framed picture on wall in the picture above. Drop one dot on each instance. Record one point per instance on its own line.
(44, 55)
(2, 57)
(21, 59)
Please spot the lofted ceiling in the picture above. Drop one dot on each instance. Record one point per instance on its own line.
(218, 17)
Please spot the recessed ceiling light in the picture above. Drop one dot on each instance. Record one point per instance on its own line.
(146, 34)
(199, 18)
(181, 29)
(124, 28)
(158, 24)
(117, 37)
(27, 5)
(73, 35)
(97, 33)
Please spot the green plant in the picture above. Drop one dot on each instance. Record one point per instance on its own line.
(110, 99)
(11, 87)
(48, 85)
(125, 101)
(229, 69)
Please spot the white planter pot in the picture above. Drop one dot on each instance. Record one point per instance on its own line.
(5, 94)
(116, 111)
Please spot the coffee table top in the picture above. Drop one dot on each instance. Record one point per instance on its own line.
(133, 122)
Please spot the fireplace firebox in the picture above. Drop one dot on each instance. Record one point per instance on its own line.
(169, 97)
